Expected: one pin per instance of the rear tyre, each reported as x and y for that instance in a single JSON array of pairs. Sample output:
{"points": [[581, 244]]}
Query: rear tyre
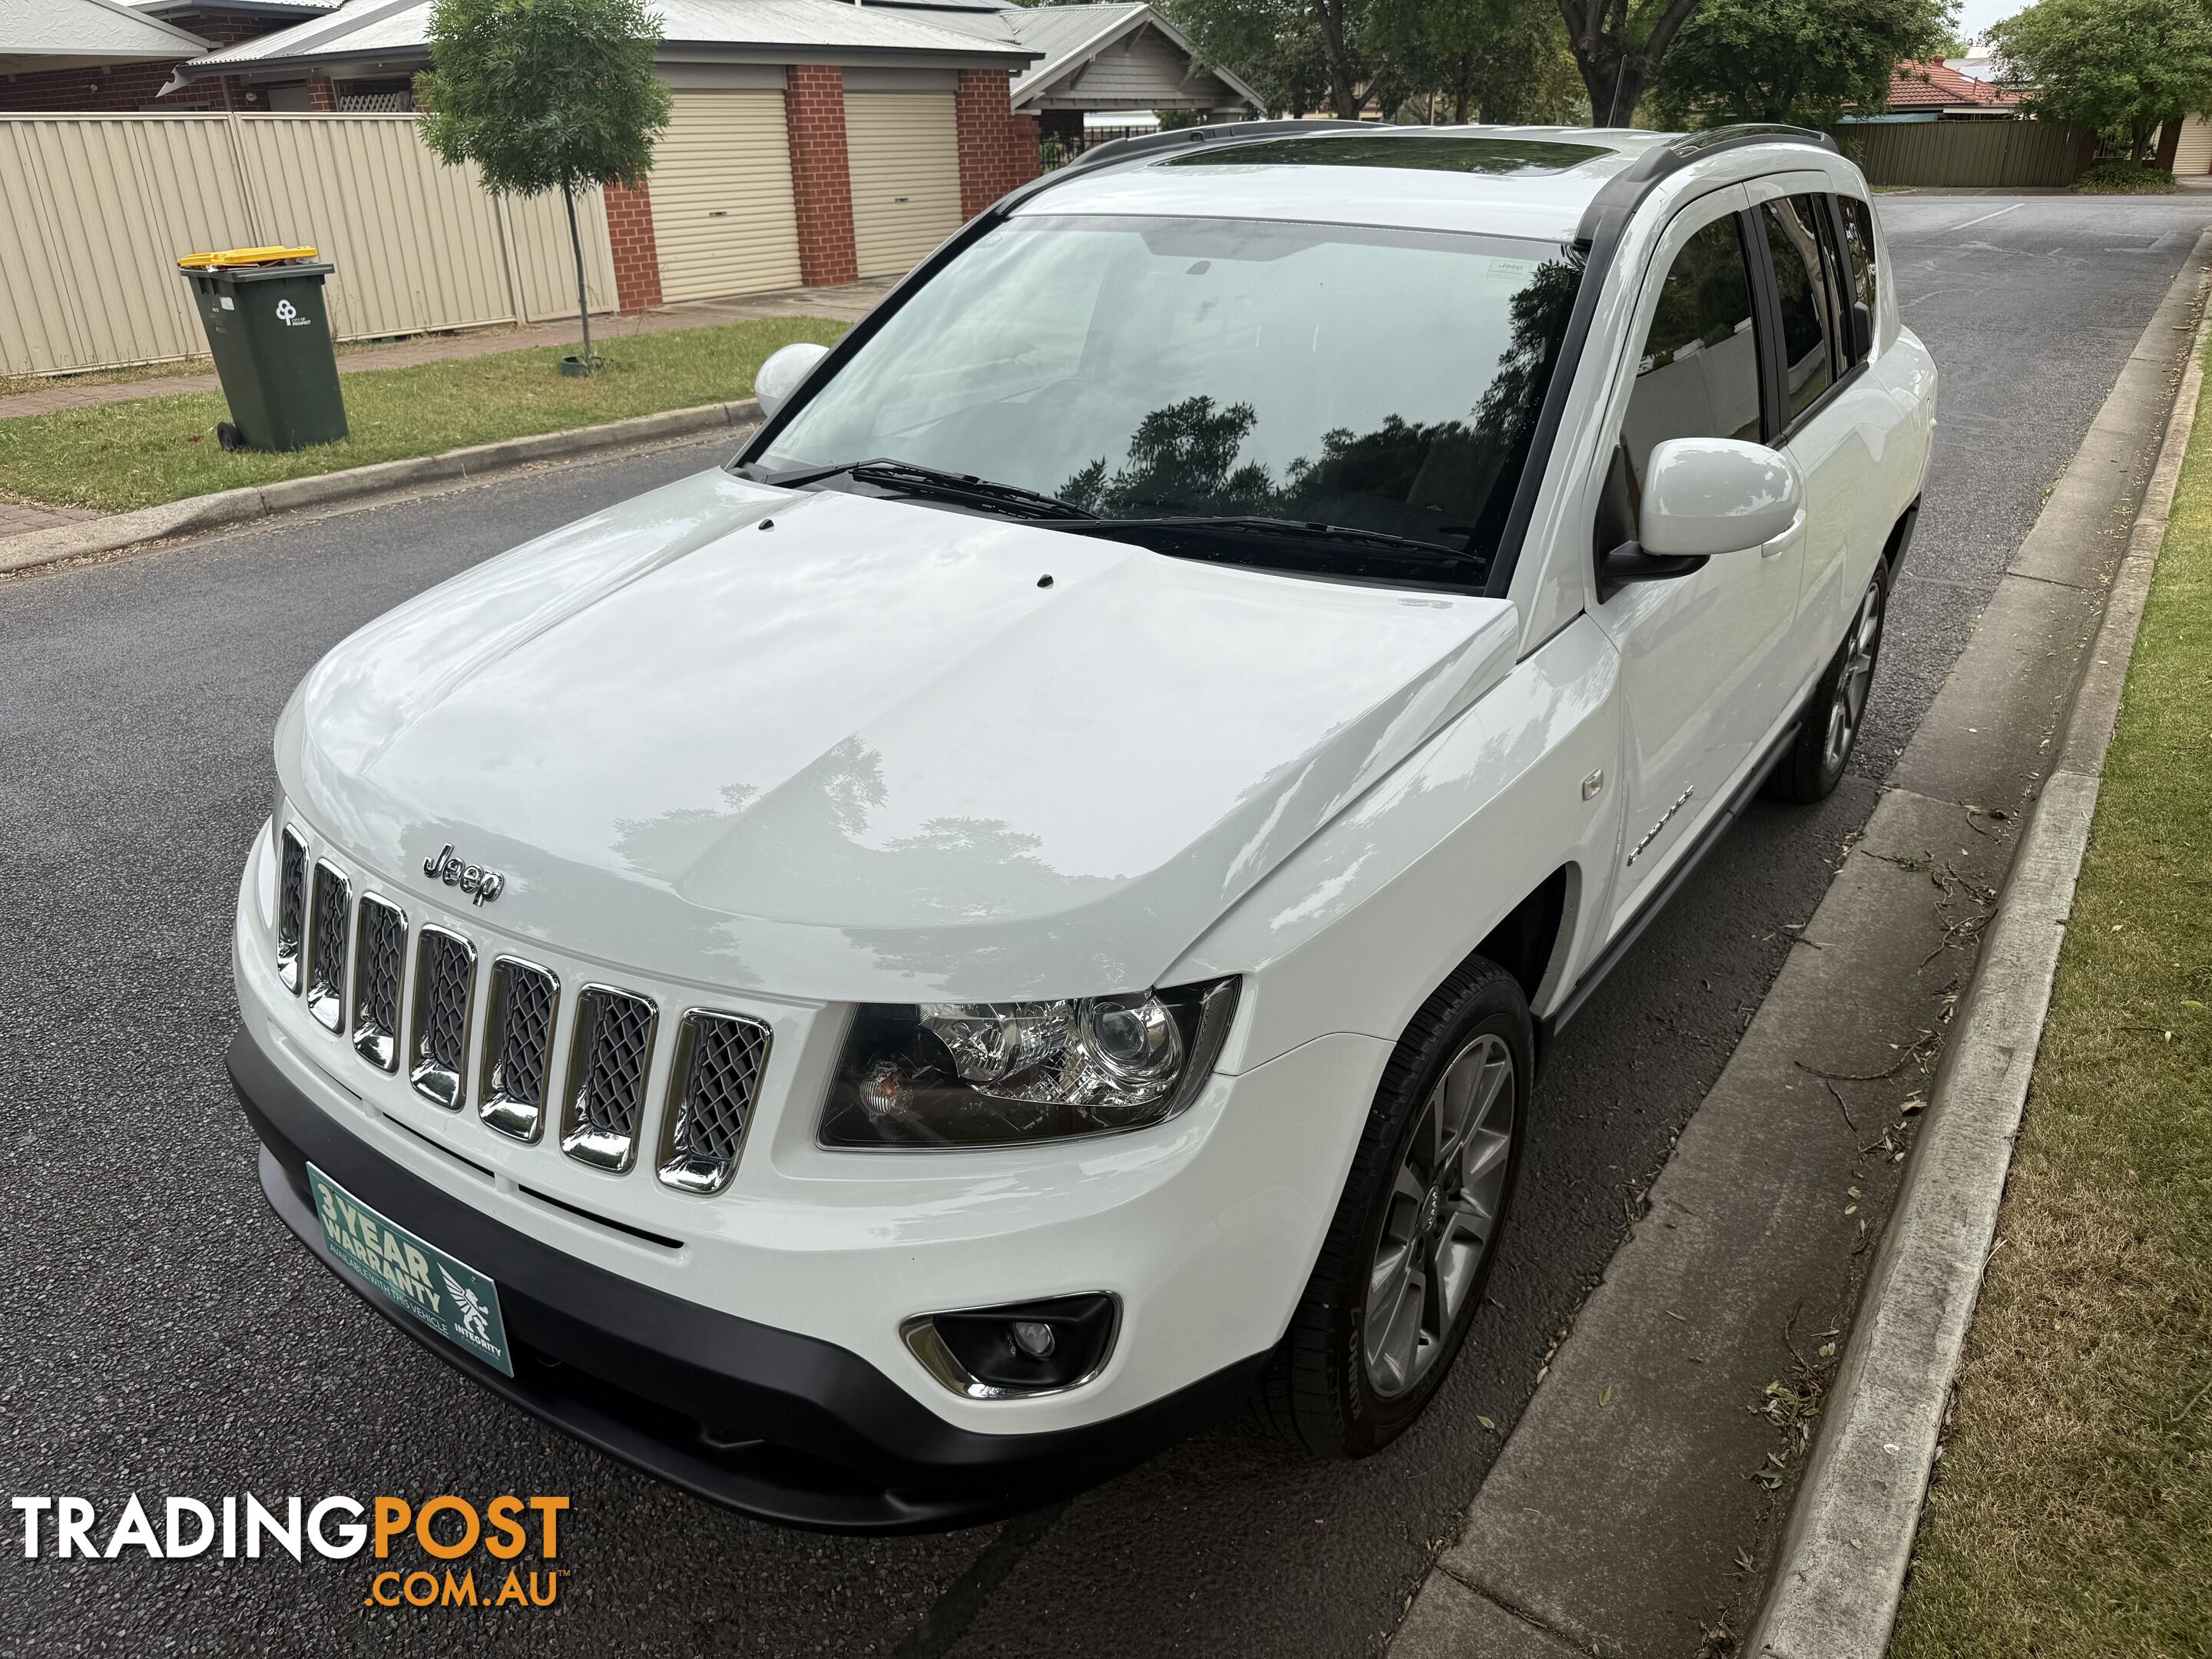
{"points": [[1815, 763], [1402, 1267]]}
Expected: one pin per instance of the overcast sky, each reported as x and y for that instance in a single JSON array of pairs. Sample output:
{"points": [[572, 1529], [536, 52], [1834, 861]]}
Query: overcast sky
{"points": [[1976, 16]]}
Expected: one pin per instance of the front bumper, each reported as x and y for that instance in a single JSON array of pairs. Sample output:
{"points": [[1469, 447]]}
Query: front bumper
{"points": [[774, 1423]]}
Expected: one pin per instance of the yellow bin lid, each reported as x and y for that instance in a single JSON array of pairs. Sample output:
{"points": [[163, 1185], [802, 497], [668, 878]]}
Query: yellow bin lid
{"points": [[244, 256]]}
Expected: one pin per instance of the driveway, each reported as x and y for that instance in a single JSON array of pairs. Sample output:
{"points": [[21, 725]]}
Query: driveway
{"points": [[167, 1335]]}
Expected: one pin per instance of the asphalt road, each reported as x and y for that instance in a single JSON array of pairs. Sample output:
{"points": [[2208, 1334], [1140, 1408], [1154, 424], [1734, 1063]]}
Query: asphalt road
{"points": [[165, 1334]]}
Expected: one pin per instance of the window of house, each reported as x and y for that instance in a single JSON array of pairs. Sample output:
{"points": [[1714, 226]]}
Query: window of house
{"points": [[1794, 244]]}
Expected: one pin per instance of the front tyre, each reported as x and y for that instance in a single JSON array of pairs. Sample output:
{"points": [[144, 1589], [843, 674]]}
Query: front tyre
{"points": [[1814, 765], [1401, 1270]]}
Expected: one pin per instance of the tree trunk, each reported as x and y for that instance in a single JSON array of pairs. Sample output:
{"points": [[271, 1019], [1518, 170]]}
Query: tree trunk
{"points": [[576, 247], [1614, 75], [1342, 90]]}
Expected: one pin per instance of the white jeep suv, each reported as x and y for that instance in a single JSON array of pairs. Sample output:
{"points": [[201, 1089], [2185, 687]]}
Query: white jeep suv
{"points": [[885, 981]]}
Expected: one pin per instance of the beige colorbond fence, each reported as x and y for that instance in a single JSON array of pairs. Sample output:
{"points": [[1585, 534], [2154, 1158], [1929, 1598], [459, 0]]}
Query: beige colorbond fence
{"points": [[1994, 154], [95, 209]]}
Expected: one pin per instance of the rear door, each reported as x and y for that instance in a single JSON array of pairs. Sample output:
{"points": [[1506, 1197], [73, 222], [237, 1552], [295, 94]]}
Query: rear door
{"points": [[1704, 657], [1835, 416]]}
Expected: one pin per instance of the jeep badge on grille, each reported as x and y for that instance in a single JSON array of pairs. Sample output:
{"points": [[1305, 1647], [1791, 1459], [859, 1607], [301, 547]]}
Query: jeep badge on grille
{"points": [[483, 885]]}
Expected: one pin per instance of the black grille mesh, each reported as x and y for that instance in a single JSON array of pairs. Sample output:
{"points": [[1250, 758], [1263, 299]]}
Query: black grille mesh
{"points": [[441, 1002], [614, 1069], [379, 962], [718, 1091], [327, 950], [523, 1042], [291, 906]]}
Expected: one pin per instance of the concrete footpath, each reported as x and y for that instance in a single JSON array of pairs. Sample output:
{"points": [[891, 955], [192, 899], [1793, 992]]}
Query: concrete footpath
{"points": [[1636, 1507]]}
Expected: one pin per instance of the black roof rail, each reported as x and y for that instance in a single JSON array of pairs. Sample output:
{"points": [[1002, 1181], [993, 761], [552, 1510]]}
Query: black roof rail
{"points": [[1629, 186], [1221, 132]]}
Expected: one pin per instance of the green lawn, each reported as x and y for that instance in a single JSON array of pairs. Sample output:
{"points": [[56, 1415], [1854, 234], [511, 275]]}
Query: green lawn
{"points": [[2072, 1517], [123, 455]]}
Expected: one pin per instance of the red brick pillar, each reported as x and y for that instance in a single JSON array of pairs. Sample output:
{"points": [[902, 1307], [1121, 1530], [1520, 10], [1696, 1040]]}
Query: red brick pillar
{"points": [[998, 148], [821, 175], [322, 93], [636, 255]]}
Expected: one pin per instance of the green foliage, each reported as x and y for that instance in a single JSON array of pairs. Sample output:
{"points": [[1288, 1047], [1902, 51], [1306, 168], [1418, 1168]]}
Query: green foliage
{"points": [[1488, 60], [1798, 61], [1275, 45], [2125, 67], [2125, 179], [544, 94], [1619, 46]]}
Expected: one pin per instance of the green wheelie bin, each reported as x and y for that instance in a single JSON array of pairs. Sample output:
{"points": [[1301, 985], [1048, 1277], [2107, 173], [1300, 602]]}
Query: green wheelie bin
{"points": [[271, 337]]}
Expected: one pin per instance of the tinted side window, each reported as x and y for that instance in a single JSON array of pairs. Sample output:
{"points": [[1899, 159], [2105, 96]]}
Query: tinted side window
{"points": [[1795, 247], [1858, 239], [1698, 373], [1699, 376]]}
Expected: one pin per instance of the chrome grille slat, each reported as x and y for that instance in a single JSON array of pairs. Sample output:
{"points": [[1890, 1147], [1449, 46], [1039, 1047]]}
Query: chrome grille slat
{"points": [[525, 999], [610, 1055], [379, 964], [716, 1077], [291, 906], [326, 948], [445, 985]]}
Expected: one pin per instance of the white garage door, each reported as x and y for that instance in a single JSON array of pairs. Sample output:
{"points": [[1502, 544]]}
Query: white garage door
{"points": [[904, 151], [721, 197]]}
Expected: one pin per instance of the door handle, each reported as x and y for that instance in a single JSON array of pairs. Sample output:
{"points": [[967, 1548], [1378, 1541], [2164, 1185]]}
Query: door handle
{"points": [[1787, 539]]}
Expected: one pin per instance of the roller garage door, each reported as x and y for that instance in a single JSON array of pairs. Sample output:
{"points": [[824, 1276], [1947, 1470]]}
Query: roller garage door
{"points": [[721, 197], [904, 151]]}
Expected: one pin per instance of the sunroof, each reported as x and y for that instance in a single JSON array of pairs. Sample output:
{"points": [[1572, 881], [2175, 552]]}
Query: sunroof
{"points": [[1427, 152]]}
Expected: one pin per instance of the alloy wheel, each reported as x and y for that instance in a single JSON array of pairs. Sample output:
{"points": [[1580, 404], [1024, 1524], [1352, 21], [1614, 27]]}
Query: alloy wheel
{"points": [[1846, 707], [1442, 1217]]}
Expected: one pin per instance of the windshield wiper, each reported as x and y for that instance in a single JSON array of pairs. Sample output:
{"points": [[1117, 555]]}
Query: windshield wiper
{"points": [[1284, 530], [910, 479]]}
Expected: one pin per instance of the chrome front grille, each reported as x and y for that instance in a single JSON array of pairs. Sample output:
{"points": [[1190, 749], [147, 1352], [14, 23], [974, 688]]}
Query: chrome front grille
{"points": [[518, 1047], [444, 983], [326, 948], [379, 962], [413, 1012], [607, 1064], [719, 1060], [291, 906]]}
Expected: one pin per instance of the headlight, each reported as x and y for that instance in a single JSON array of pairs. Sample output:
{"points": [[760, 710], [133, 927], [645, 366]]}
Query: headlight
{"points": [[999, 1073]]}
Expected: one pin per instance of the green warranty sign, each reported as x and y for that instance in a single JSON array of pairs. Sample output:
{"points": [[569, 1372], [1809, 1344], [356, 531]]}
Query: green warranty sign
{"points": [[443, 1292]]}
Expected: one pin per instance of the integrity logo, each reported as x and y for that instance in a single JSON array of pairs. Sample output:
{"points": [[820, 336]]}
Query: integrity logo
{"points": [[446, 1528]]}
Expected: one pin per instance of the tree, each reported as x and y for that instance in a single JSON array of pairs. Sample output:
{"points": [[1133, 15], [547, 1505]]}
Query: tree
{"points": [[1491, 60], [2125, 67], [1299, 55], [1797, 61], [546, 95], [1619, 46]]}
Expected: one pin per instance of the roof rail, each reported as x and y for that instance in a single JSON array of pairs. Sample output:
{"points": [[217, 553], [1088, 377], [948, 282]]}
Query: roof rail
{"points": [[1223, 132], [1629, 186]]}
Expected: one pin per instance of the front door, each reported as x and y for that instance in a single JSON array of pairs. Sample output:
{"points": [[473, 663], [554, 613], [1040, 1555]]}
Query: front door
{"points": [[1705, 659]]}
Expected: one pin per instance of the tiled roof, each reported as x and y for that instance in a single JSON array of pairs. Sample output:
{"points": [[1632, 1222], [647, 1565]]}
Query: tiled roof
{"points": [[1937, 86]]}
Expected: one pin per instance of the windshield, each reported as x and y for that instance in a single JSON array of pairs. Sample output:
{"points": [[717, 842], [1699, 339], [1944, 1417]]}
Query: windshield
{"points": [[1142, 368]]}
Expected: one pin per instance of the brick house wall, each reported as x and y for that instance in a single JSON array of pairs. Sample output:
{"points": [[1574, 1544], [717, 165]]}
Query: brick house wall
{"points": [[636, 255], [998, 148], [821, 173], [122, 87], [322, 95]]}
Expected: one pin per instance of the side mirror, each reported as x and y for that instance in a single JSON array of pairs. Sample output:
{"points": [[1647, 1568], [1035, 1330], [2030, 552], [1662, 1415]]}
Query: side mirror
{"points": [[1708, 496], [780, 375], [1861, 331]]}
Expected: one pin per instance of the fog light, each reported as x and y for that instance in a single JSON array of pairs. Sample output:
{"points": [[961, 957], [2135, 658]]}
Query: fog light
{"points": [[1020, 1349]]}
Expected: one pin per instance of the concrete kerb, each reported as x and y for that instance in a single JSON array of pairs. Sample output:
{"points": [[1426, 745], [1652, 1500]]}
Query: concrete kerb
{"points": [[91, 536], [1840, 1576]]}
